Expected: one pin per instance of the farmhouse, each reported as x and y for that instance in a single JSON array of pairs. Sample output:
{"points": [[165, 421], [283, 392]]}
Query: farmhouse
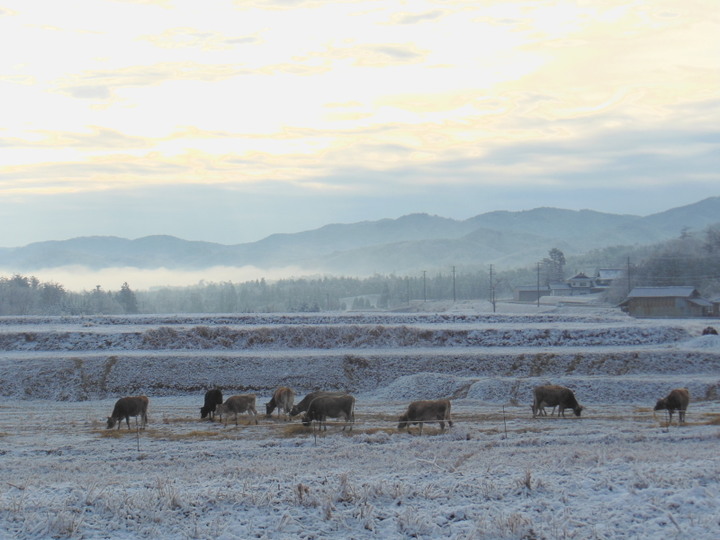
{"points": [[678, 301], [579, 284]]}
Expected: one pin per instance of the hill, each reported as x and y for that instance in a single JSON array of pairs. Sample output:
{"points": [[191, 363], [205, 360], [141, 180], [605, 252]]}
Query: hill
{"points": [[412, 242]]}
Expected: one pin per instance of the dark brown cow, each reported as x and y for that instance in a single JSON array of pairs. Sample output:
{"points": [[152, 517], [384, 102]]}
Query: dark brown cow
{"points": [[333, 406], [709, 331], [676, 400], [283, 399], [419, 412], [127, 407], [305, 402], [236, 405], [213, 398], [552, 395]]}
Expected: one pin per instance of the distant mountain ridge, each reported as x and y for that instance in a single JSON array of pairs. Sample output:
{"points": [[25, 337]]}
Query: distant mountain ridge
{"points": [[411, 242]]}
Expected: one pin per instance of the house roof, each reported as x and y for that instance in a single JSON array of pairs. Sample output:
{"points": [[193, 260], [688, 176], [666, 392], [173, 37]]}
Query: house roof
{"points": [[701, 302], [557, 286], [581, 275], [610, 273], [666, 292], [531, 288]]}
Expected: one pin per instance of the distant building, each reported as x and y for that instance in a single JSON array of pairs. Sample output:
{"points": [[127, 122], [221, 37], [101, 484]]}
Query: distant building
{"points": [[577, 285], [529, 293], [679, 301], [560, 289], [605, 276], [715, 306], [580, 284]]}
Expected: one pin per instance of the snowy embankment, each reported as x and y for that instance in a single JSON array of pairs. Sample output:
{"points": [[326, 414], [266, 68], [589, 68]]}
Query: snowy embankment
{"points": [[496, 358]]}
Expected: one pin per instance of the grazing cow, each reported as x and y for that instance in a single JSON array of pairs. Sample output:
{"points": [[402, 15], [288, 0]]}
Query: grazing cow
{"points": [[419, 412], [333, 406], [305, 402], [676, 400], [283, 399], [213, 398], [236, 405], [127, 407], [552, 395], [709, 331]]}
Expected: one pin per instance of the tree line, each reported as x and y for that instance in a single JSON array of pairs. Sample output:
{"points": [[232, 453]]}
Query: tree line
{"points": [[692, 259]]}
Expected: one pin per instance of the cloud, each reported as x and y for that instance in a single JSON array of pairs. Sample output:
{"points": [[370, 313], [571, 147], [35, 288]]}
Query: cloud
{"points": [[370, 54], [98, 137], [415, 18], [184, 37], [102, 84]]}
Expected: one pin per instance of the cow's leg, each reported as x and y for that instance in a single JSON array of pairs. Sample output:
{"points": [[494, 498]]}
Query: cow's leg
{"points": [[442, 425], [681, 414], [421, 428]]}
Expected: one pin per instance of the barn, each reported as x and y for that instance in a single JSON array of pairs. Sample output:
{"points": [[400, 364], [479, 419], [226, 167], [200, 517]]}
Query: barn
{"points": [[676, 301]]}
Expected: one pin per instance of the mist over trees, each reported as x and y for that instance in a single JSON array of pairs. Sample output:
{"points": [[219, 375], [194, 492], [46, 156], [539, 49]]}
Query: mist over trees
{"points": [[692, 259]]}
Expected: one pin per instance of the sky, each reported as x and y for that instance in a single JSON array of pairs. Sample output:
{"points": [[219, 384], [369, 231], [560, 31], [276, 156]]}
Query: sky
{"points": [[228, 121]]}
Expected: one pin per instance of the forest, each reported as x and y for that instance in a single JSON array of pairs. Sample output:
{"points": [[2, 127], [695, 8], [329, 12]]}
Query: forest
{"points": [[692, 259]]}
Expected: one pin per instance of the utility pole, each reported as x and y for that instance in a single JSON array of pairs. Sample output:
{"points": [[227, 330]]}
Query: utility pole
{"points": [[424, 286], [628, 276], [492, 288], [538, 284], [453, 272]]}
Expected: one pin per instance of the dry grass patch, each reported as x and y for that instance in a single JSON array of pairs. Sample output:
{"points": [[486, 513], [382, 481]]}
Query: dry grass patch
{"points": [[190, 435], [713, 419], [180, 420], [295, 430]]}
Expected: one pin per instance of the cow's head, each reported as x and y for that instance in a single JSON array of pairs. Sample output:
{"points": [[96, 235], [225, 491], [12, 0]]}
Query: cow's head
{"points": [[204, 411], [403, 421], [577, 410], [306, 420], [661, 405], [110, 422], [268, 409], [294, 411]]}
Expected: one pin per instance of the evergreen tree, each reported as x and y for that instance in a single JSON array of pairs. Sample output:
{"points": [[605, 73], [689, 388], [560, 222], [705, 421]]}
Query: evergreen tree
{"points": [[126, 298]]}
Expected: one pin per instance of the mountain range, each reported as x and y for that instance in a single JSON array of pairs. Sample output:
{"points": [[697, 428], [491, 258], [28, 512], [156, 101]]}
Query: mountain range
{"points": [[406, 244]]}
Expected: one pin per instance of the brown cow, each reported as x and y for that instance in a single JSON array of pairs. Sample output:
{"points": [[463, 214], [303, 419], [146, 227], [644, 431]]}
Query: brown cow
{"points": [[236, 405], [676, 400], [552, 395], [333, 406], [283, 399], [127, 407], [305, 402], [419, 412]]}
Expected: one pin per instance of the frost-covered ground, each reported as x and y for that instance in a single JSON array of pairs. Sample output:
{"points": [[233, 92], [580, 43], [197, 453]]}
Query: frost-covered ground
{"points": [[617, 472]]}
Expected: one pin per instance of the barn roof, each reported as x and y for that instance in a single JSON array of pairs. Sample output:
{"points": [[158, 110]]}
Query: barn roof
{"points": [[665, 292]]}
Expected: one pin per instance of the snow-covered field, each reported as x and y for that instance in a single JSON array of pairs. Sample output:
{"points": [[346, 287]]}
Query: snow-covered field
{"points": [[616, 472]]}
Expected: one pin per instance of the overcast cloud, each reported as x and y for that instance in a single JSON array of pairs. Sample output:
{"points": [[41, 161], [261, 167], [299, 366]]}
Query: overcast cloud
{"points": [[229, 121]]}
